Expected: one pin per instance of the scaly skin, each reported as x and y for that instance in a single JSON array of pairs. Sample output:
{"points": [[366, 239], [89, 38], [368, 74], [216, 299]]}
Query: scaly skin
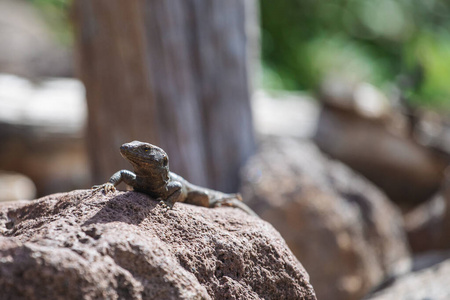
{"points": [[152, 176]]}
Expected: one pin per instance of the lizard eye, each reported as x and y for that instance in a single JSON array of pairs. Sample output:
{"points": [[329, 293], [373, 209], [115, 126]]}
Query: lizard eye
{"points": [[146, 148], [165, 161]]}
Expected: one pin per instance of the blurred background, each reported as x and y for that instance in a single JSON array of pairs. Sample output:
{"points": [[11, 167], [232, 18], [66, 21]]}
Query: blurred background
{"points": [[379, 42], [330, 117]]}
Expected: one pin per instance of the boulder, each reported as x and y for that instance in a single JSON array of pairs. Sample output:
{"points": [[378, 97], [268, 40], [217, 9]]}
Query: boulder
{"points": [[344, 230], [378, 142], [432, 283], [42, 132], [15, 186], [84, 245], [284, 113], [428, 225]]}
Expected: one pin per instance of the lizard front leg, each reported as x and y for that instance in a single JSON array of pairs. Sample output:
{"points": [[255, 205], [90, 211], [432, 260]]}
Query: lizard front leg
{"points": [[175, 193], [123, 175]]}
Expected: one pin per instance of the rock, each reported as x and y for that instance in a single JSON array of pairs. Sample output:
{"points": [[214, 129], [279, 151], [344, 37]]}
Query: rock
{"points": [[282, 113], [361, 98], [377, 142], [27, 47], [428, 225], [428, 259], [432, 283], [432, 130], [344, 230], [124, 245], [15, 186], [42, 132]]}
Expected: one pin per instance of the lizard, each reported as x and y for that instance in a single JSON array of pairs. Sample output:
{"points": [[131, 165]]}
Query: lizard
{"points": [[152, 176]]}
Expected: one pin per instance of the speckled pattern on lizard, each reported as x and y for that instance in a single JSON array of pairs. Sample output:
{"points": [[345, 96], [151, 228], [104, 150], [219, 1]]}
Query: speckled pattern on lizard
{"points": [[152, 176]]}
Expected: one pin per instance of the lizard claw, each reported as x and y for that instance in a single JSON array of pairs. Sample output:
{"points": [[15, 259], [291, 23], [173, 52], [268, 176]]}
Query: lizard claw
{"points": [[106, 187], [165, 204]]}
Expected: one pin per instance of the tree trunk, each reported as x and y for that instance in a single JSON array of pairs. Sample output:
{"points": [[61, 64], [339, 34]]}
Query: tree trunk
{"points": [[173, 73]]}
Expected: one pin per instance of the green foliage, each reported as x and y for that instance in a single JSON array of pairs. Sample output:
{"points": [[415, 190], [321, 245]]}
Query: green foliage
{"points": [[432, 50], [373, 40], [57, 15]]}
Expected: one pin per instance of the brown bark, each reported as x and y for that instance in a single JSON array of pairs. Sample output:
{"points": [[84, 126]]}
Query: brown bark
{"points": [[173, 73]]}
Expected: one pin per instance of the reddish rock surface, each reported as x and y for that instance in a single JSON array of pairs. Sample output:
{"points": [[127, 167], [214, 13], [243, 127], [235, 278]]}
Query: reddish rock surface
{"points": [[344, 230], [124, 245]]}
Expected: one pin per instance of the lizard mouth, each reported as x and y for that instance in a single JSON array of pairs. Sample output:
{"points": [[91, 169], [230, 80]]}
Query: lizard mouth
{"points": [[126, 151], [143, 153], [133, 153]]}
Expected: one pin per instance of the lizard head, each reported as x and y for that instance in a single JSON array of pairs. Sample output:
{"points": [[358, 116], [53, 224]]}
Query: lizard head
{"points": [[145, 157]]}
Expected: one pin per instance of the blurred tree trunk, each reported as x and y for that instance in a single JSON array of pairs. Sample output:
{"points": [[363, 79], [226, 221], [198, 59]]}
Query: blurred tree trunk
{"points": [[173, 73]]}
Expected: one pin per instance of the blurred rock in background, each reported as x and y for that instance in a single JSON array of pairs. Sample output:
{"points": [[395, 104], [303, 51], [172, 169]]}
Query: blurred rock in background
{"points": [[348, 235], [359, 127], [428, 225], [317, 216], [15, 186], [282, 113], [41, 121], [42, 132], [431, 282]]}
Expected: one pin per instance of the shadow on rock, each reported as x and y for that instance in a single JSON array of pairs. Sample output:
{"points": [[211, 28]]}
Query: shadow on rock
{"points": [[134, 208]]}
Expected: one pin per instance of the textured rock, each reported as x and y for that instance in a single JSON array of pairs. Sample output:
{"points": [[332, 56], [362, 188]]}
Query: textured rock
{"points": [[432, 283], [346, 232], [125, 245]]}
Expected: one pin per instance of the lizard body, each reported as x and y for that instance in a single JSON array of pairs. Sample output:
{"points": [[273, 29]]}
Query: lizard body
{"points": [[152, 176]]}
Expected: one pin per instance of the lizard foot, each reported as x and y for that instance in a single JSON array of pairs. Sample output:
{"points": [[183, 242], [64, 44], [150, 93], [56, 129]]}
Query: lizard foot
{"points": [[106, 187], [167, 205]]}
